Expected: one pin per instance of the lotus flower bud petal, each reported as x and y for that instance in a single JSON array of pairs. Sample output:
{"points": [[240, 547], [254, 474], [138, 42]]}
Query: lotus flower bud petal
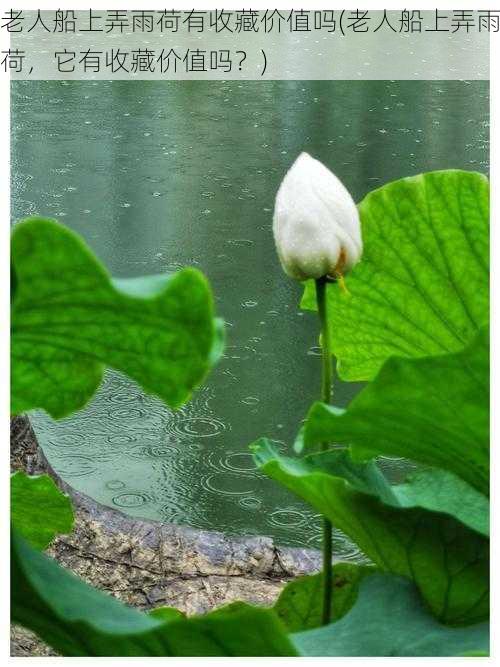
{"points": [[316, 222]]}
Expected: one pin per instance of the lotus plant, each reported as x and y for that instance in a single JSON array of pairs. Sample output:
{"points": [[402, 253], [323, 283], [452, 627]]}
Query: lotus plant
{"points": [[317, 233]]}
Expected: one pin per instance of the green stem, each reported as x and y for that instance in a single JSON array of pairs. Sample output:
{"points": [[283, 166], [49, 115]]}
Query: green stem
{"points": [[326, 397]]}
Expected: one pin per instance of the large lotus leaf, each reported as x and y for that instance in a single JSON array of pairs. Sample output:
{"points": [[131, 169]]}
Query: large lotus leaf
{"points": [[167, 614], [421, 287], [38, 510], [442, 491], [70, 321], [448, 561], [433, 410], [299, 605], [78, 620], [389, 619]]}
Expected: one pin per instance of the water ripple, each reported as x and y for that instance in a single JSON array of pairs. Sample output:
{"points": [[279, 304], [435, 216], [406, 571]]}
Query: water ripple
{"points": [[131, 499], [229, 485], [198, 427], [76, 466]]}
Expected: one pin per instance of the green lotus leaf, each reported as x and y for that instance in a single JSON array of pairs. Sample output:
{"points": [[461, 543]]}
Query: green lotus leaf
{"points": [[389, 619], [299, 605], [421, 287], [70, 321], [433, 410], [38, 509], [448, 561]]}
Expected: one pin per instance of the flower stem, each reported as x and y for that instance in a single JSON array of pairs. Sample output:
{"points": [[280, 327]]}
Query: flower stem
{"points": [[326, 397]]}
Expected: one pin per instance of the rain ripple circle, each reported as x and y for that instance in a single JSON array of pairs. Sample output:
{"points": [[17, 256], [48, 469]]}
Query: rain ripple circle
{"points": [[226, 484], [250, 503], [287, 518], [152, 452], [126, 413], [131, 499], [198, 427]]}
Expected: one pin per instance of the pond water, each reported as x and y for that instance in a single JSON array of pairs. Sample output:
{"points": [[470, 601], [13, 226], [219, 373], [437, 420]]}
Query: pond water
{"points": [[160, 175]]}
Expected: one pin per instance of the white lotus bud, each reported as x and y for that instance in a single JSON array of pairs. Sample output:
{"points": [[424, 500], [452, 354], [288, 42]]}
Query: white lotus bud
{"points": [[316, 223]]}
